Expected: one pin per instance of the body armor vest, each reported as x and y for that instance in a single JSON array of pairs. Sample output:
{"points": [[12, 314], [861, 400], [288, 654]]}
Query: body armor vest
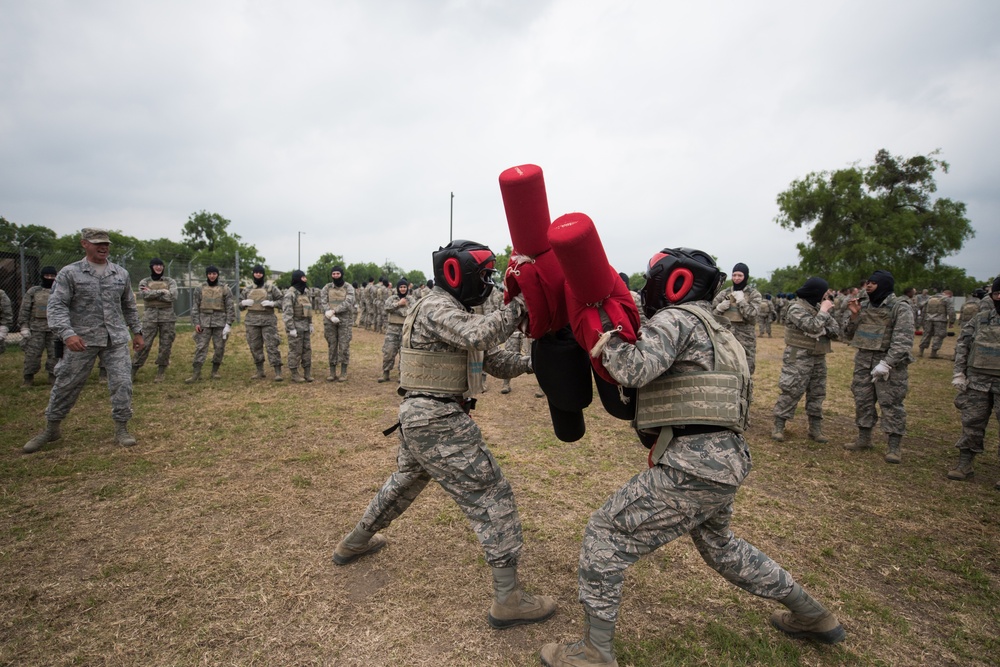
{"points": [[798, 338], [302, 308], [211, 298], [435, 372], [396, 318], [936, 306], [969, 310], [873, 332], [720, 397], [733, 314], [984, 352], [158, 285], [40, 303], [258, 294], [336, 296]]}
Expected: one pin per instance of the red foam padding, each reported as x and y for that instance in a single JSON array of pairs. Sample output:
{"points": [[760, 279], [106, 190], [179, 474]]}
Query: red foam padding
{"points": [[527, 208], [578, 247]]}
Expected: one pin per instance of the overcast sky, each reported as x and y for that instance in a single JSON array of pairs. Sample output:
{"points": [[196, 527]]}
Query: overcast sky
{"points": [[670, 124]]}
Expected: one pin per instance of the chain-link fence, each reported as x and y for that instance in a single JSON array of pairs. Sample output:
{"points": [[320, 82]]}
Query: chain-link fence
{"points": [[21, 268]]}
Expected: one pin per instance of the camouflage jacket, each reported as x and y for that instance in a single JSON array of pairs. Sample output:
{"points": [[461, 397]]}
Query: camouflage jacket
{"points": [[24, 317], [259, 318], [345, 309], [168, 295], [392, 306], [216, 318], [973, 328], [6, 311], [675, 341], [901, 344], [748, 307], [811, 321], [97, 309]]}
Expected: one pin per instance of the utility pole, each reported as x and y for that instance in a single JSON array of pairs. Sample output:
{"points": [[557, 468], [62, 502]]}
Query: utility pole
{"points": [[451, 218], [299, 267]]}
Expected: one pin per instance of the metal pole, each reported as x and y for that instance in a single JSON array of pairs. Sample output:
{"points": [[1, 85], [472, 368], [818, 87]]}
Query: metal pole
{"points": [[237, 294], [299, 267], [451, 217], [24, 275]]}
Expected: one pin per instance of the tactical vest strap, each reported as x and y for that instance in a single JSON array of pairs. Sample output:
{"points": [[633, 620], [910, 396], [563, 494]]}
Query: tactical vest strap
{"points": [[984, 353], [936, 306], [40, 304], [873, 332], [211, 298], [302, 307], [422, 370], [797, 338], [258, 294]]}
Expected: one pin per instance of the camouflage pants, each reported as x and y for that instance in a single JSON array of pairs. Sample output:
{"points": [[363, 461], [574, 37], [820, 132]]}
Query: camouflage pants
{"points": [[748, 339], [201, 340], [448, 447], [38, 342], [300, 347], [801, 373], [934, 335], [261, 337], [765, 326], [654, 508], [166, 331], [888, 394], [71, 375], [975, 408], [390, 347], [338, 341]]}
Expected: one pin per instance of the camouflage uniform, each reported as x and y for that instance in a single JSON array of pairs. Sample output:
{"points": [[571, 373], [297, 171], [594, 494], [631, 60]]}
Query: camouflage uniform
{"points": [[212, 315], [765, 316], [338, 335], [920, 310], [101, 310], [395, 315], [6, 319], [378, 301], [296, 312], [689, 489], [743, 317], [262, 324], [940, 315], [439, 440], [808, 332], [894, 347], [159, 319], [982, 372], [970, 308], [33, 316]]}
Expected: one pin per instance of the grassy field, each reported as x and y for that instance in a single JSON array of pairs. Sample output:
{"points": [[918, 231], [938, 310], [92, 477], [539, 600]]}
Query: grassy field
{"points": [[209, 543]]}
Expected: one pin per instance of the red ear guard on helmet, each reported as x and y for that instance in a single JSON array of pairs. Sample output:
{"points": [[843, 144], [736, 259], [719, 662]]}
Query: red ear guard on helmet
{"points": [[679, 275], [464, 270]]}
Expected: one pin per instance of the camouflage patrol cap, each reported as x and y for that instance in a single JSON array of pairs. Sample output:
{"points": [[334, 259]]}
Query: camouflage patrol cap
{"points": [[94, 235]]}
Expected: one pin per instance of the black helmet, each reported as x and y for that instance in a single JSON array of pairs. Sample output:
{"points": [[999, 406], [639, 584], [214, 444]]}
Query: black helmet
{"points": [[465, 270], [679, 275]]}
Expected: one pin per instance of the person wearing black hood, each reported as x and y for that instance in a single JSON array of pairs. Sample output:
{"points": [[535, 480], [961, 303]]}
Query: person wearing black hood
{"points": [[977, 379], [882, 331], [35, 333], [336, 301], [740, 304], [382, 294], [809, 329], [396, 308], [158, 293], [212, 315], [259, 300], [296, 311], [971, 307]]}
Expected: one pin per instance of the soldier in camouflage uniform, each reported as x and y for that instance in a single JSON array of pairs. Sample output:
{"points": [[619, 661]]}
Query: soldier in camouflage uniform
{"points": [[693, 401], [809, 329], [765, 316], [518, 343], [977, 379], [91, 310], [6, 319], [36, 337], [740, 304], [882, 332], [396, 307], [296, 311], [920, 301], [159, 293], [939, 317], [212, 315], [259, 301], [382, 293], [444, 347], [337, 305], [972, 306]]}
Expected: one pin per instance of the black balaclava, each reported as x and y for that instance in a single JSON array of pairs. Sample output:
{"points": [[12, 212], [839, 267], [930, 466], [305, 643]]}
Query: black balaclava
{"points": [[741, 267], [430, 284], [402, 281], [339, 282], [995, 288], [624, 277], [259, 282], [885, 283], [299, 280], [153, 263], [812, 291], [212, 269], [48, 271]]}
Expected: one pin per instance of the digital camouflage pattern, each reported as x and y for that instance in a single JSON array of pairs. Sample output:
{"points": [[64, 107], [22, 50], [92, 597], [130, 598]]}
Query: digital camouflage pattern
{"points": [[40, 339], [981, 396], [690, 490], [212, 323], [261, 322], [765, 316], [439, 441], [936, 321], [299, 345], [394, 331], [887, 394], [747, 309], [157, 321], [804, 371], [338, 336]]}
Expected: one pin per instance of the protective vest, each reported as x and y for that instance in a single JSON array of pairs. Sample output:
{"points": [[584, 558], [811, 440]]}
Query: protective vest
{"points": [[302, 308], [873, 332], [969, 310], [733, 314], [336, 296], [720, 397], [158, 285], [40, 303], [798, 338], [258, 294], [396, 318], [442, 372], [984, 352], [936, 305], [212, 298]]}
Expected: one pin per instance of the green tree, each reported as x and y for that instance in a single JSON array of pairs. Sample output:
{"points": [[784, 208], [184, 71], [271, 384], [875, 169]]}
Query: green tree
{"points": [[207, 234], [416, 277], [36, 238], [319, 273], [361, 272], [879, 217]]}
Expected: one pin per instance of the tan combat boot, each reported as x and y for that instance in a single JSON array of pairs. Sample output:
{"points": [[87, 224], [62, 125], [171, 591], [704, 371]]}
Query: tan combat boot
{"points": [[963, 469], [307, 374], [816, 430], [259, 375], [807, 619], [122, 436], [343, 373], [50, 434], [594, 650], [195, 376], [215, 371], [893, 453], [161, 374], [277, 373], [864, 441], [356, 544], [778, 433], [384, 378], [512, 605]]}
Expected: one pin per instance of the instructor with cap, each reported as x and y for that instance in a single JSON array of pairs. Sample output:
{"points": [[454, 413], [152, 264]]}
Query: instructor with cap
{"points": [[91, 309]]}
